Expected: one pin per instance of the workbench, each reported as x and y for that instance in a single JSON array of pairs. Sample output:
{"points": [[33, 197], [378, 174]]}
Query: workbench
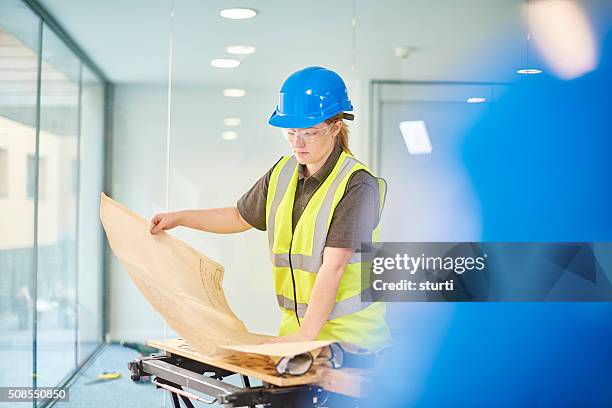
{"points": [[181, 370]]}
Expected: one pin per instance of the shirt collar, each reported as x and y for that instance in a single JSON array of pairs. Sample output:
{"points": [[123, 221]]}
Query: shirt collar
{"points": [[324, 171]]}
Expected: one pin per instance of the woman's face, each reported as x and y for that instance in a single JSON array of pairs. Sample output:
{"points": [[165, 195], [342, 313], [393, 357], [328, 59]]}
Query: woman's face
{"points": [[312, 144]]}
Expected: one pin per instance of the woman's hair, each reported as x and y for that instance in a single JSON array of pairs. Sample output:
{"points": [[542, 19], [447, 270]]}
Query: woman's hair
{"points": [[343, 135]]}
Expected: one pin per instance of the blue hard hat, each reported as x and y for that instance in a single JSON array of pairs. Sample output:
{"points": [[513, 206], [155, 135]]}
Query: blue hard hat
{"points": [[310, 96]]}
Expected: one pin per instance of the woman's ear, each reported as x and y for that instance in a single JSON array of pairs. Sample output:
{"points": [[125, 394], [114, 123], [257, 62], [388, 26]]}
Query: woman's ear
{"points": [[336, 127]]}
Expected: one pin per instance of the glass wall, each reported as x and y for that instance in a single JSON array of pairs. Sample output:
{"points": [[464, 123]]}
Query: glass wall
{"points": [[52, 144], [419, 128], [220, 141], [91, 183], [57, 210], [19, 44]]}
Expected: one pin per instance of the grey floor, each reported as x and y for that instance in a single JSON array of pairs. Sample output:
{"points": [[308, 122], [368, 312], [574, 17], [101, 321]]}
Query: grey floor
{"points": [[122, 392], [15, 370]]}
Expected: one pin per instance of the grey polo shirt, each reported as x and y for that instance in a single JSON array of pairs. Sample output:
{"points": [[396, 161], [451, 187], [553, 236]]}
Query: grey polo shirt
{"points": [[354, 219]]}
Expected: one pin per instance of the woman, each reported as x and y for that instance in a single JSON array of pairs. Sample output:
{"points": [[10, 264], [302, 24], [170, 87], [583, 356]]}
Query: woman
{"points": [[318, 205]]}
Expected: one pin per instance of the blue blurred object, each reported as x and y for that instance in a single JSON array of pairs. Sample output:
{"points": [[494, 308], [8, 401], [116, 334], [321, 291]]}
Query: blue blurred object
{"points": [[539, 160], [506, 355], [308, 97]]}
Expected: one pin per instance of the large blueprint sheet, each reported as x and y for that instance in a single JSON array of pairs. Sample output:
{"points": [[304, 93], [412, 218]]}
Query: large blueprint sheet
{"points": [[183, 286]]}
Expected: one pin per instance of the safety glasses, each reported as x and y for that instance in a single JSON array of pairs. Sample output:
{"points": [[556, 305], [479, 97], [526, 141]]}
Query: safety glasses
{"points": [[308, 135], [331, 356], [294, 365]]}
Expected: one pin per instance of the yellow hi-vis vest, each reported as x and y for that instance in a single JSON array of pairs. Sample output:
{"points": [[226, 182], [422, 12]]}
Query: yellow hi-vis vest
{"points": [[297, 256]]}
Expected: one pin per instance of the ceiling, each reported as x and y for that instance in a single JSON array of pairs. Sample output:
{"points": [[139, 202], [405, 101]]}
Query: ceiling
{"points": [[468, 40]]}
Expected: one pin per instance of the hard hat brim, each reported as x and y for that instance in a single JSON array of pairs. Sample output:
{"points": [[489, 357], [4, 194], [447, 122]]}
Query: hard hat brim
{"points": [[301, 122], [289, 121]]}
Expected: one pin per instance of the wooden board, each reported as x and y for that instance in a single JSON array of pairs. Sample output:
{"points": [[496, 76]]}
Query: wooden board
{"points": [[348, 381], [354, 382], [253, 365]]}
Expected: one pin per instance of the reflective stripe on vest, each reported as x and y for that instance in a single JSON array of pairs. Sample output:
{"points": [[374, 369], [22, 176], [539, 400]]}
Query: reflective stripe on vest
{"points": [[342, 308], [312, 263], [283, 180], [307, 263]]}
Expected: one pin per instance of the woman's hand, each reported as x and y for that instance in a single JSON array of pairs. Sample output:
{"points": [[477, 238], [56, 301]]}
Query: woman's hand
{"points": [[165, 221]]}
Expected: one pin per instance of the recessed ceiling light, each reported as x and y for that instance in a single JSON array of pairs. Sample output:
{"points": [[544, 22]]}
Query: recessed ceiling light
{"points": [[529, 71], [224, 63], [229, 135], [234, 92], [476, 100], [415, 136], [238, 13], [231, 121], [240, 49]]}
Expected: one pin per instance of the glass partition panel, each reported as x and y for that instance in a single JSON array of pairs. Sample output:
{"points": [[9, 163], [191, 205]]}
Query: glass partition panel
{"points": [[19, 39], [220, 139], [91, 176], [57, 211]]}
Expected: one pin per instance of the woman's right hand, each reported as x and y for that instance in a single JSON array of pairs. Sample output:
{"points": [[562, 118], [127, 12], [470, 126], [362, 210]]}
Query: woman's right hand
{"points": [[165, 221]]}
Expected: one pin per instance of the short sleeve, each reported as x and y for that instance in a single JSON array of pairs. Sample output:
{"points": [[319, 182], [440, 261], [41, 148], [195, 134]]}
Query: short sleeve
{"points": [[357, 213], [252, 204]]}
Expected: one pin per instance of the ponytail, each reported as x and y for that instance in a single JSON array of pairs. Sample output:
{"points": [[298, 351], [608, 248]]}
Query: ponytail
{"points": [[343, 134]]}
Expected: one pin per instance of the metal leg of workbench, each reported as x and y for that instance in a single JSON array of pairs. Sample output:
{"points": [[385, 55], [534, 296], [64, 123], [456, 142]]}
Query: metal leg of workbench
{"points": [[246, 384], [245, 381], [175, 401], [187, 402], [175, 398]]}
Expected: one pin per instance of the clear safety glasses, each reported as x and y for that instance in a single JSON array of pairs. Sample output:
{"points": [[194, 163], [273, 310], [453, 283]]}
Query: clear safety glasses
{"points": [[295, 365], [330, 356], [308, 135]]}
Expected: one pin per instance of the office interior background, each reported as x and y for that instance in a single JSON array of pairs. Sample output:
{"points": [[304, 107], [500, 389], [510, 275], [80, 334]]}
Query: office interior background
{"points": [[489, 119]]}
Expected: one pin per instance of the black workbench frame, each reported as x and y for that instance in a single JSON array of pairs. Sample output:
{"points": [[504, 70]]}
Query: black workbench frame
{"points": [[181, 372]]}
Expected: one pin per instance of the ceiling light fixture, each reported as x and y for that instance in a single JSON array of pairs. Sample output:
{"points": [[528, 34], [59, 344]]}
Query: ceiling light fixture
{"points": [[229, 135], [240, 49], [476, 100], [529, 71], [238, 13], [231, 121], [225, 63], [416, 137], [234, 92]]}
